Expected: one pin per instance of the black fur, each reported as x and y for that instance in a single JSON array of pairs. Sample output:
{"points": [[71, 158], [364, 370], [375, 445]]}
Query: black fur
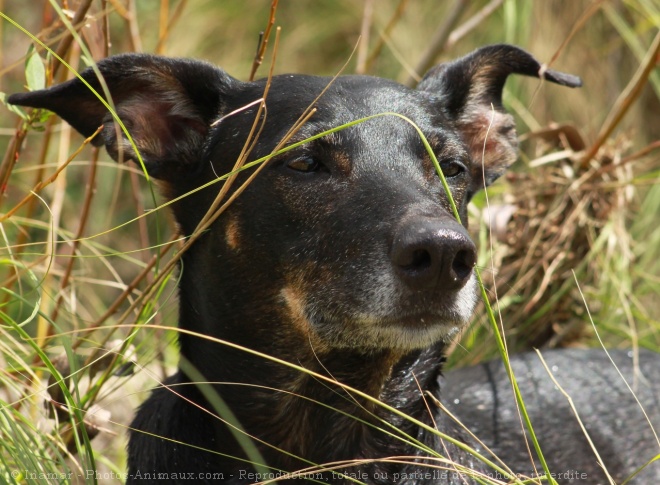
{"points": [[342, 257]]}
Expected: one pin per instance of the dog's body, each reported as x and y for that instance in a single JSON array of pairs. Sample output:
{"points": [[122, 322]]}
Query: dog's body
{"points": [[342, 257]]}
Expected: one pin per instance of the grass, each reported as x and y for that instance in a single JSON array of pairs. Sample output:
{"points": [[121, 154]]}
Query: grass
{"points": [[86, 257]]}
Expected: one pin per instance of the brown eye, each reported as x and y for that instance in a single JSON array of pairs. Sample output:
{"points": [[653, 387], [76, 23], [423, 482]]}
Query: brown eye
{"points": [[452, 168], [307, 164]]}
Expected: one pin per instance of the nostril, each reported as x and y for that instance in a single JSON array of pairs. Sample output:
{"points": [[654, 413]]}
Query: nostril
{"points": [[463, 263], [420, 259]]}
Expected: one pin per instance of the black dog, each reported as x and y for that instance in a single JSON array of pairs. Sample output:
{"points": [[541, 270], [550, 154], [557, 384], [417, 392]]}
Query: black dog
{"points": [[342, 257]]}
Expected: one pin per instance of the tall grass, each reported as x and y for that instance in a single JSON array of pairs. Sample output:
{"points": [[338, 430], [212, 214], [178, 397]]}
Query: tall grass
{"points": [[87, 299]]}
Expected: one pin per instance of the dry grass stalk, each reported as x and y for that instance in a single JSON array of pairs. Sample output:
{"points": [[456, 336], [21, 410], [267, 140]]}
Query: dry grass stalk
{"points": [[553, 221]]}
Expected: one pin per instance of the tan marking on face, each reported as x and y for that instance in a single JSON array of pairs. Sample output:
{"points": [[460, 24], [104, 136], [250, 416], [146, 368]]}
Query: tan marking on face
{"points": [[295, 302], [343, 162], [233, 235]]}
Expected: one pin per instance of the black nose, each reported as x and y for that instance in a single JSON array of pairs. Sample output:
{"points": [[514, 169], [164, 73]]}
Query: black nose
{"points": [[433, 253]]}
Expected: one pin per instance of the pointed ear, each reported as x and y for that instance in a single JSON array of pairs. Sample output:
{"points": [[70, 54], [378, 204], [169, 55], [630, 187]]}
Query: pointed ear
{"points": [[470, 92], [166, 104]]}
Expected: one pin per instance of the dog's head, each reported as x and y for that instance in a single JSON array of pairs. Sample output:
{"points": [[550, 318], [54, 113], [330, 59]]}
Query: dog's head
{"points": [[349, 238]]}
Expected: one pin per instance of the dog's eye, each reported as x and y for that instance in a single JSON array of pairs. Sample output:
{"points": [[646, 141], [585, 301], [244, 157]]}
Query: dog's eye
{"points": [[307, 164], [452, 168]]}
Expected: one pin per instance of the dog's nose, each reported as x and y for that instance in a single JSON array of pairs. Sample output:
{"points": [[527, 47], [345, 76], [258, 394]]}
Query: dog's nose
{"points": [[433, 253]]}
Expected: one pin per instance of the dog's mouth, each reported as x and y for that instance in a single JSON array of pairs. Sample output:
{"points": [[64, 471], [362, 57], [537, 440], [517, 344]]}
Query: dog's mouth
{"points": [[402, 332], [400, 321], [435, 323], [421, 310], [420, 321]]}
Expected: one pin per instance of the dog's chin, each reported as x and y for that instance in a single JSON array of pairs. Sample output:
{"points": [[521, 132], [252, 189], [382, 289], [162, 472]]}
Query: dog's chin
{"points": [[414, 330], [406, 336], [401, 332]]}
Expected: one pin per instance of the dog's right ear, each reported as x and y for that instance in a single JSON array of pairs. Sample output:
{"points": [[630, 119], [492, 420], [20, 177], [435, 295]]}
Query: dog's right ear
{"points": [[167, 105], [470, 94]]}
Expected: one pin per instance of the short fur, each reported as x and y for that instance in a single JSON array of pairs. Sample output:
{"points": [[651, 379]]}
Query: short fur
{"points": [[342, 257]]}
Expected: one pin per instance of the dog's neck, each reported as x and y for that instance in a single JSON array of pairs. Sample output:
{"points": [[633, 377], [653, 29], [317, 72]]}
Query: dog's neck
{"points": [[319, 420], [316, 419]]}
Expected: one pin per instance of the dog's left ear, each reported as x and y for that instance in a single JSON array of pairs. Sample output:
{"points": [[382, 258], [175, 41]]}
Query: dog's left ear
{"points": [[167, 105], [470, 91]]}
